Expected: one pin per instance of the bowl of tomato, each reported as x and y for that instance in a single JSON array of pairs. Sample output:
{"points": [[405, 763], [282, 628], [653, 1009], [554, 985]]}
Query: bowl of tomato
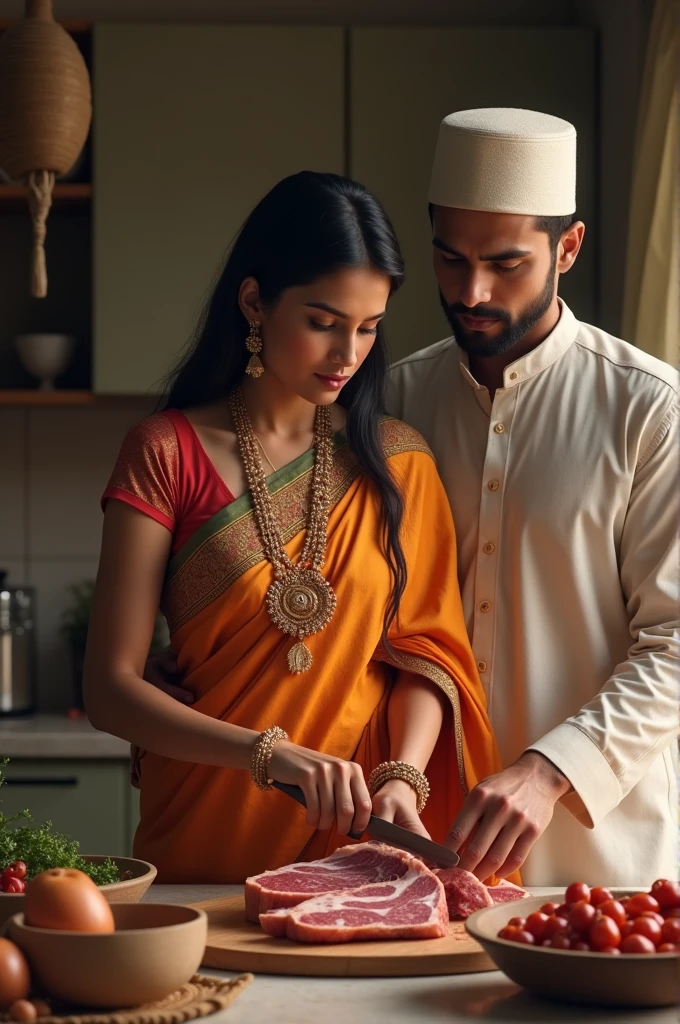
{"points": [[607, 947]]}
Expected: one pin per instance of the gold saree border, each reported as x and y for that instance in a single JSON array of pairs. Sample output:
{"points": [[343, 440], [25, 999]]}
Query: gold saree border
{"points": [[228, 544], [422, 667]]}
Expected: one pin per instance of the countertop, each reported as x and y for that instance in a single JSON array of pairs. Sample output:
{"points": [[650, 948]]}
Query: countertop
{"points": [[458, 999], [57, 736]]}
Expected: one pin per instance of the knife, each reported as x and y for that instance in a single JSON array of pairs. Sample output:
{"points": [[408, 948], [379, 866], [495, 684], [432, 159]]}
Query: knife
{"points": [[388, 832]]}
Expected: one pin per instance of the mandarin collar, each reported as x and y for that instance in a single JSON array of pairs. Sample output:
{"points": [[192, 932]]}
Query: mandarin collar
{"points": [[540, 358]]}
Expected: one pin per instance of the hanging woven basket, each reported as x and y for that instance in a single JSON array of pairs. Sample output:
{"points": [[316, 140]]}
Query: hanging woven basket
{"points": [[45, 114]]}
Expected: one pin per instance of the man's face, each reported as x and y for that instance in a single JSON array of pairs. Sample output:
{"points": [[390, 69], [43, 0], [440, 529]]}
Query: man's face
{"points": [[497, 276]]}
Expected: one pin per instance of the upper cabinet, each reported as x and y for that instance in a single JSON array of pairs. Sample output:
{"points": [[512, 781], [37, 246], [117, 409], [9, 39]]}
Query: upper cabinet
{"points": [[404, 81], [194, 124]]}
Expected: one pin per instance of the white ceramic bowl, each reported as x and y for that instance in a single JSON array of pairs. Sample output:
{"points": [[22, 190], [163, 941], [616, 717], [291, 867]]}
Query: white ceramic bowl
{"points": [[573, 976]]}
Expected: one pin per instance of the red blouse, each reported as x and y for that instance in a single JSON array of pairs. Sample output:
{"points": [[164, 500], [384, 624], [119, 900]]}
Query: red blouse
{"points": [[163, 471]]}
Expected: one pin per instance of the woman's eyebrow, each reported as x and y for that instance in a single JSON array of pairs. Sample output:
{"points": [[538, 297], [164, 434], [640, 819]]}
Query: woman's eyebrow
{"points": [[336, 312]]}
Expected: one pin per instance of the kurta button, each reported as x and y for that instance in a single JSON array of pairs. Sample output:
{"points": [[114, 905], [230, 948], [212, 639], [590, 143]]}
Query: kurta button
{"points": [[493, 485], [489, 548], [499, 428], [513, 376], [485, 606], [481, 665]]}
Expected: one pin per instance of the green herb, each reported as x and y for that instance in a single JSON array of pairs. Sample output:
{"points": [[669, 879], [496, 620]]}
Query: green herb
{"points": [[41, 848]]}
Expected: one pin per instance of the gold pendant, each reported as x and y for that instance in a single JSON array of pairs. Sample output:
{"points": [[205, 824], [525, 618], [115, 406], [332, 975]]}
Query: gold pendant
{"points": [[300, 603], [255, 367], [299, 658]]}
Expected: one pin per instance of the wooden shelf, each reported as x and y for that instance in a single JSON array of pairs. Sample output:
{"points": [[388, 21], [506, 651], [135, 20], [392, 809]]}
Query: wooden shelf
{"points": [[19, 396], [64, 192]]}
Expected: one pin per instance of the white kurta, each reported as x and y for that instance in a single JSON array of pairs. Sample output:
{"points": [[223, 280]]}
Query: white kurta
{"points": [[565, 496]]}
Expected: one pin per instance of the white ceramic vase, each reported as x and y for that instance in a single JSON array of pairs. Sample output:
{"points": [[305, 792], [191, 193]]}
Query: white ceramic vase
{"points": [[45, 355]]}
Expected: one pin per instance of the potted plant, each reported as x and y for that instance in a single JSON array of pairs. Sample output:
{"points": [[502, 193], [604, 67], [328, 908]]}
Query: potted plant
{"points": [[75, 621]]}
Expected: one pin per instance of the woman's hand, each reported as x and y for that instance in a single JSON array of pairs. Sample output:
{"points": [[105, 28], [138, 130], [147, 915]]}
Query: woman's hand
{"points": [[335, 790], [396, 801]]}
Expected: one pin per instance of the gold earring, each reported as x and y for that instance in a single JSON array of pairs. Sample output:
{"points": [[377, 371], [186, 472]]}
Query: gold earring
{"points": [[254, 346]]}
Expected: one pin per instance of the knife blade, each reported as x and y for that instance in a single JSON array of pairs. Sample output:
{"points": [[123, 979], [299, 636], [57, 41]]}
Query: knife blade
{"points": [[388, 832]]}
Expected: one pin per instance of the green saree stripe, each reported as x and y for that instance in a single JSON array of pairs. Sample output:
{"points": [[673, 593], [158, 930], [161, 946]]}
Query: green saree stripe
{"points": [[243, 506]]}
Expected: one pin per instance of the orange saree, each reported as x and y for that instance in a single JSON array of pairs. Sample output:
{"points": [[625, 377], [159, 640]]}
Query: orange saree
{"points": [[210, 824]]}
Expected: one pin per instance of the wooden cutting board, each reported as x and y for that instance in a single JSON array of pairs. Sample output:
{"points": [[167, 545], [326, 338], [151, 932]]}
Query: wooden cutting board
{"points": [[236, 945]]}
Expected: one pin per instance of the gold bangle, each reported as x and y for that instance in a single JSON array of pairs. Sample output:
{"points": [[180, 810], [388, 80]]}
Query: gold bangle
{"points": [[262, 755], [405, 772]]}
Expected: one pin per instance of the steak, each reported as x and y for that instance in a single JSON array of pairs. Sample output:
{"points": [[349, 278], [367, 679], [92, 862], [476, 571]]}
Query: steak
{"points": [[464, 892], [507, 892], [346, 868], [410, 907]]}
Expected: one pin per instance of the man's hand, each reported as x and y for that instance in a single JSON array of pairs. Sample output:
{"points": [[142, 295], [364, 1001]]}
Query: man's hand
{"points": [[505, 814], [162, 672]]}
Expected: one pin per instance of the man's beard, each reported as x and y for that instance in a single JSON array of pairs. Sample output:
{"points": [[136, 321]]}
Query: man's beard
{"points": [[474, 343]]}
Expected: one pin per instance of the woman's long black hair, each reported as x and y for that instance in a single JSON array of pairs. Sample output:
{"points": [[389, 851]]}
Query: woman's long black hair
{"points": [[309, 225]]}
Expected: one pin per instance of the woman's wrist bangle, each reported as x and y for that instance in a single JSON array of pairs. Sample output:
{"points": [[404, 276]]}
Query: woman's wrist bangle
{"points": [[262, 755], [405, 772]]}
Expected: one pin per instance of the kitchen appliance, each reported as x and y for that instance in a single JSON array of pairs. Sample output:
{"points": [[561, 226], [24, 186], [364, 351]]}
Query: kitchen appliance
{"points": [[388, 832], [17, 648]]}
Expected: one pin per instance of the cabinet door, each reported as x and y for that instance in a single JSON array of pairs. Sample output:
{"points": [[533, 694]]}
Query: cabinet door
{"points": [[87, 800], [194, 124], [404, 81]]}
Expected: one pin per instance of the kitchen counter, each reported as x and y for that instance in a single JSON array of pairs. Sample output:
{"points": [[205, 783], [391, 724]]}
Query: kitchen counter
{"points": [[56, 736], [457, 999]]}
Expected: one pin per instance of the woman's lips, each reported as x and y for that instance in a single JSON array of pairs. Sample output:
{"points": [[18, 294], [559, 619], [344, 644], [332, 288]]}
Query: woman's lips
{"points": [[332, 381], [474, 323]]}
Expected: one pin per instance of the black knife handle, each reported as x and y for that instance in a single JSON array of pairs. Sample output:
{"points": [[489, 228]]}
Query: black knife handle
{"points": [[296, 793]]}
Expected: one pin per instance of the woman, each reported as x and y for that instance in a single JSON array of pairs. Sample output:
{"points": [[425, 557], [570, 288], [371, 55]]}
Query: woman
{"points": [[316, 617]]}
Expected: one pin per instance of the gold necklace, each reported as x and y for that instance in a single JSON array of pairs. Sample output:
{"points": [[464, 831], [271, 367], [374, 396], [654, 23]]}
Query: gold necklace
{"points": [[261, 447], [299, 601]]}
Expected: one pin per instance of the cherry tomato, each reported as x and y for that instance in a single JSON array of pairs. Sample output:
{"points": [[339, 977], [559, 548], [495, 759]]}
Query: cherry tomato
{"points": [[642, 901], [15, 885], [604, 932], [535, 924], [564, 909], [673, 912], [666, 893], [670, 931], [581, 917], [648, 927], [627, 929], [507, 933], [614, 909], [517, 922], [23, 1010], [580, 945], [18, 869], [525, 937], [553, 925], [560, 941], [42, 1008], [611, 950], [599, 895], [637, 944], [549, 908], [576, 892], [667, 947], [659, 918]]}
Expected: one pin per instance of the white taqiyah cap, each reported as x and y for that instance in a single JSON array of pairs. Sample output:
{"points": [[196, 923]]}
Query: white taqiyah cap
{"points": [[505, 160]]}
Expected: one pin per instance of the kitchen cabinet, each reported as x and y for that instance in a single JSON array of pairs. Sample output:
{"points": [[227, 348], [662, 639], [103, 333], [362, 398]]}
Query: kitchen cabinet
{"points": [[405, 80], [92, 801], [194, 124]]}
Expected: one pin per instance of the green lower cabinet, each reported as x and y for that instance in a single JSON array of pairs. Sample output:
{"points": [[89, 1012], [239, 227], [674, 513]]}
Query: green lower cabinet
{"points": [[89, 800]]}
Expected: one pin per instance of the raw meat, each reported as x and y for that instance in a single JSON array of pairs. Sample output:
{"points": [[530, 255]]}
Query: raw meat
{"points": [[410, 907], [507, 892], [346, 868], [464, 892]]}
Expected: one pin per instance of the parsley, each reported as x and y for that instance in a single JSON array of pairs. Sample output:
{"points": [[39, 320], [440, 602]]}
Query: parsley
{"points": [[41, 848]]}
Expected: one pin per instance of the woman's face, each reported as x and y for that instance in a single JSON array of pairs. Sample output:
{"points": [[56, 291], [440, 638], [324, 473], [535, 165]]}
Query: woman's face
{"points": [[317, 336]]}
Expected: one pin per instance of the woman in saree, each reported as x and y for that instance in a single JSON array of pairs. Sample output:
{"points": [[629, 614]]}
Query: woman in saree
{"points": [[301, 547]]}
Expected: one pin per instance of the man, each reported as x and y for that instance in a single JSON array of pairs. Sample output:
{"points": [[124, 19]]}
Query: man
{"points": [[558, 445]]}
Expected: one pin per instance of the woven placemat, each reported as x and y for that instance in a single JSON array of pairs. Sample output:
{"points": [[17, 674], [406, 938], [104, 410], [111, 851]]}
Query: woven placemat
{"points": [[198, 998]]}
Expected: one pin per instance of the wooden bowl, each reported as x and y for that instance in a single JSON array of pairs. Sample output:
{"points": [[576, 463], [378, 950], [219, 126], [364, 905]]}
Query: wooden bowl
{"points": [[574, 976], [131, 890], [156, 948]]}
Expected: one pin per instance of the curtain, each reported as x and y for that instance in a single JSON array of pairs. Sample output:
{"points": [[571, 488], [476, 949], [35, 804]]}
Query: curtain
{"points": [[651, 310]]}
